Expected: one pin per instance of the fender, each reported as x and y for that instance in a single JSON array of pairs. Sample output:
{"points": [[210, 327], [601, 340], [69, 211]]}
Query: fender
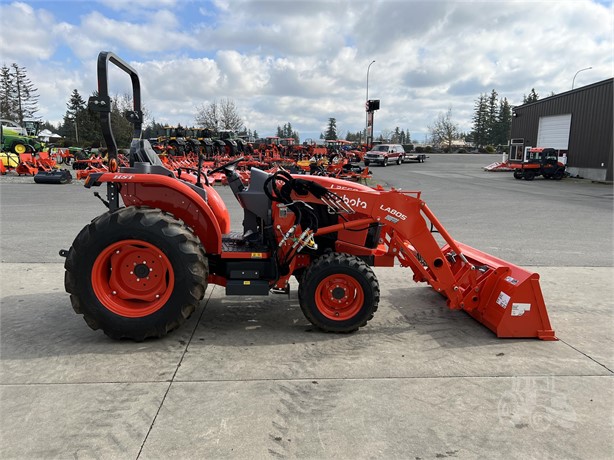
{"points": [[175, 197]]}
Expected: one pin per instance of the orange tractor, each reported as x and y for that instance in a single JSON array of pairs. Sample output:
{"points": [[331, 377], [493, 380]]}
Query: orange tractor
{"points": [[140, 269]]}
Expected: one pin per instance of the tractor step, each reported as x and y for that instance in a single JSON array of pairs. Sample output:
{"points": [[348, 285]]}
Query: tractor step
{"points": [[247, 287], [234, 243]]}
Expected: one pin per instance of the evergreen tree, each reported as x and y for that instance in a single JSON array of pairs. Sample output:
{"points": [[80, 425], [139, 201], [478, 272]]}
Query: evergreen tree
{"points": [[396, 136], [25, 97], [480, 121], [405, 137], [90, 132], [7, 102], [152, 129], [75, 104], [491, 118], [491, 121], [287, 132], [331, 131], [532, 97], [122, 128], [504, 122], [74, 116], [354, 137]]}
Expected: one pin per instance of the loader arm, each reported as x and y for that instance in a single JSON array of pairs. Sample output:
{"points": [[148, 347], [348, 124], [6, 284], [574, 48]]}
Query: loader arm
{"points": [[502, 296]]}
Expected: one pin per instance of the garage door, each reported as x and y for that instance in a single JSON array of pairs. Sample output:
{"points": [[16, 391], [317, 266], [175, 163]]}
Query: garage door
{"points": [[554, 131]]}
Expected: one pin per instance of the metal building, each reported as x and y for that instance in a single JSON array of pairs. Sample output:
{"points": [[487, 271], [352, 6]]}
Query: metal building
{"points": [[579, 121]]}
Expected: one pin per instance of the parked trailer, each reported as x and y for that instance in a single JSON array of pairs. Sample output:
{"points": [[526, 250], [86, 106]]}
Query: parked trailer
{"points": [[409, 156]]}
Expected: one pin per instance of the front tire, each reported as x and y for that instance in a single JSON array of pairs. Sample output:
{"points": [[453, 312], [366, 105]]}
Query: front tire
{"points": [[19, 148], [135, 273], [339, 293]]}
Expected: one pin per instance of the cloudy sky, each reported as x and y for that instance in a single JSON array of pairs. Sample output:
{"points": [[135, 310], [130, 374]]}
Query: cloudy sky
{"points": [[306, 61]]}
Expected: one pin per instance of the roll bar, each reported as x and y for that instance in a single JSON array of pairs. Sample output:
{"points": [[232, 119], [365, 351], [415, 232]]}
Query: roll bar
{"points": [[101, 102]]}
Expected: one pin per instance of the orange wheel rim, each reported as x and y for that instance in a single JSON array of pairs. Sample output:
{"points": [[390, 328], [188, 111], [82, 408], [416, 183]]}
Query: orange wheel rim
{"points": [[339, 297], [132, 278]]}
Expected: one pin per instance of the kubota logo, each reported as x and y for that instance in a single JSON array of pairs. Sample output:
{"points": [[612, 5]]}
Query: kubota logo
{"points": [[393, 212], [355, 202]]}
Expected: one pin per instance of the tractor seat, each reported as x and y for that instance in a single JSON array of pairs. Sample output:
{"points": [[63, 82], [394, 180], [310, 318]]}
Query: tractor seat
{"points": [[145, 160], [141, 151]]}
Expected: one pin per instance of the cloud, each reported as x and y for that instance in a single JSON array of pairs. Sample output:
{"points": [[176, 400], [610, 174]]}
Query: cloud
{"points": [[305, 61], [22, 37], [161, 33], [138, 5]]}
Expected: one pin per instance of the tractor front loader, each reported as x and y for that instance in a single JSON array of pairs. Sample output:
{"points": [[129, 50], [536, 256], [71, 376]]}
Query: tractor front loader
{"points": [[140, 269]]}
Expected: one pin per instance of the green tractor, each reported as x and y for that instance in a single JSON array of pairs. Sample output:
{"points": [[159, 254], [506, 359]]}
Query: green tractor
{"points": [[16, 139]]}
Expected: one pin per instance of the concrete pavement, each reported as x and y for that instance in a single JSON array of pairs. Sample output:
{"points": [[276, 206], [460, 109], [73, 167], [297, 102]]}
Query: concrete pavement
{"points": [[250, 378]]}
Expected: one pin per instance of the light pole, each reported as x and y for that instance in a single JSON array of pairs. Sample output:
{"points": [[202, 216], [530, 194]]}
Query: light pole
{"points": [[574, 77], [74, 119], [367, 114]]}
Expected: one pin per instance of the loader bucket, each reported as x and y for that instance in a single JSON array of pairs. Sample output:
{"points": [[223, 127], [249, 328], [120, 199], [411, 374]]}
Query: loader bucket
{"points": [[510, 301]]}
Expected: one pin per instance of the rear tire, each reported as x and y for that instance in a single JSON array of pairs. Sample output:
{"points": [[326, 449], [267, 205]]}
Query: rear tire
{"points": [[517, 174], [529, 175], [135, 273], [339, 293], [367, 163]]}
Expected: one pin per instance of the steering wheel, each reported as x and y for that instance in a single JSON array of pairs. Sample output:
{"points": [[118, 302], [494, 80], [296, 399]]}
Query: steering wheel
{"points": [[227, 166]]}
